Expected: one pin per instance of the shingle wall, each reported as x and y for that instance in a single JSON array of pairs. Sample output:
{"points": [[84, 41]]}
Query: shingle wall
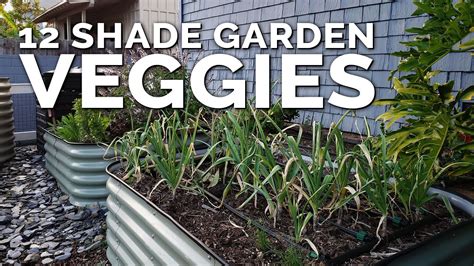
{"points": [[12, 67], [390, 19], [24, 101]]}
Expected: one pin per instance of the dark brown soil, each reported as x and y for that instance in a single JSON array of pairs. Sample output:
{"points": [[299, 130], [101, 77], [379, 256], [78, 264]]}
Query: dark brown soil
{"points": [[236, 241], [333, 242], [405, 242], [220, 230]]}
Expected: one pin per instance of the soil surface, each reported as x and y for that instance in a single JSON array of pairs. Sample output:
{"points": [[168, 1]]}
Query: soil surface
{"points": [[238, 242], [332, 242], [226, 234]]}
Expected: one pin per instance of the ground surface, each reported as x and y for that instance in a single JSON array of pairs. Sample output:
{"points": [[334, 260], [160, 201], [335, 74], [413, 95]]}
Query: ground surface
{"points": [[37, 222], [238, 242]]}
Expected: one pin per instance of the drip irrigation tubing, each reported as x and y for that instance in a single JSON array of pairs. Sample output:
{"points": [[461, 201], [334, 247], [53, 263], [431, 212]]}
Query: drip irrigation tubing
{"points": [[279, 237], [451, 247], [354, 253]]}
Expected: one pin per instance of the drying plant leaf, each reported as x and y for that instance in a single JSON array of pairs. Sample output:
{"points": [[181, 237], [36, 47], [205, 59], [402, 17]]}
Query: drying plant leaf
{"points": [[450, 209]]}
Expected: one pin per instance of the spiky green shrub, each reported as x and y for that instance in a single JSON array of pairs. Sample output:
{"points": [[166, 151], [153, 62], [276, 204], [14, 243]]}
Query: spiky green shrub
{"points": [[84, 125]]}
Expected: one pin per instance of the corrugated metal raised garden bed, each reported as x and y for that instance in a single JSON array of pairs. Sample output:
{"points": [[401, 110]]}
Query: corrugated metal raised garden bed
{"points": [[140, 231], [170, 204], [79, 169], [7, 138]]}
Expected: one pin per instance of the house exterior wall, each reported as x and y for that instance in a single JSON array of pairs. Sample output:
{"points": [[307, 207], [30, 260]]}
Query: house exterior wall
{"points": [[48, 3], [131, 16], [24, 99], [390, 19], [146, 12], [153, 11]]}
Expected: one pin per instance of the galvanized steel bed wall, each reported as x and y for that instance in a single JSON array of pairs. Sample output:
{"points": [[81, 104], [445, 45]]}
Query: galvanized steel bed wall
{"points": [[139, 234], [7, 138], [79, 170]]}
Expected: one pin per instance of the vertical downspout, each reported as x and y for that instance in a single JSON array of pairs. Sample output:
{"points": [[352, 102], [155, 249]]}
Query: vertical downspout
{"points": [[68, 33], [180, 23]]}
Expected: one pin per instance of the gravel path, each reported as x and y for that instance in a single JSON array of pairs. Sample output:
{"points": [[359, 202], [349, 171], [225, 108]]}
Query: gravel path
{"points": [[37, 222]]}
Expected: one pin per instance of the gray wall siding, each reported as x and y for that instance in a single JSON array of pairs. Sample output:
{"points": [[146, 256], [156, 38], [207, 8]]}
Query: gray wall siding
{"points": [[390, 19], [12, 67], [24, 102]]}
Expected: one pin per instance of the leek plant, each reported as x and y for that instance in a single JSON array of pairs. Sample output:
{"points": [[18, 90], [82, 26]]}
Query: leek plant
{"points": [[269, 177], [341, 169], [317, 183], [239, 147], [299, 217], [267, 168], [374, 170], [129, 149], [171, 150]]}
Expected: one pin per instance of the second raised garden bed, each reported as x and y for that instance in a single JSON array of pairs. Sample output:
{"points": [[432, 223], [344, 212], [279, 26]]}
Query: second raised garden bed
{"points": [[79, 169]]}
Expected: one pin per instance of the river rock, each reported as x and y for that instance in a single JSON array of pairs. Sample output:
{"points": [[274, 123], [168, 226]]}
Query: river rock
{"points": [[15, 242], [47, 261], [32, 258], [37, 222], [5, 219], [14, 254], [63, 257], [46, 254]]}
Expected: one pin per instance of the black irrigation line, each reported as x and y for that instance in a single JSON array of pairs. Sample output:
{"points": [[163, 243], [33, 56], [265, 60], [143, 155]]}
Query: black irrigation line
{"points": [[354, 253], [458, 228], [369, 241], [362, 236], [279, 237]]}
